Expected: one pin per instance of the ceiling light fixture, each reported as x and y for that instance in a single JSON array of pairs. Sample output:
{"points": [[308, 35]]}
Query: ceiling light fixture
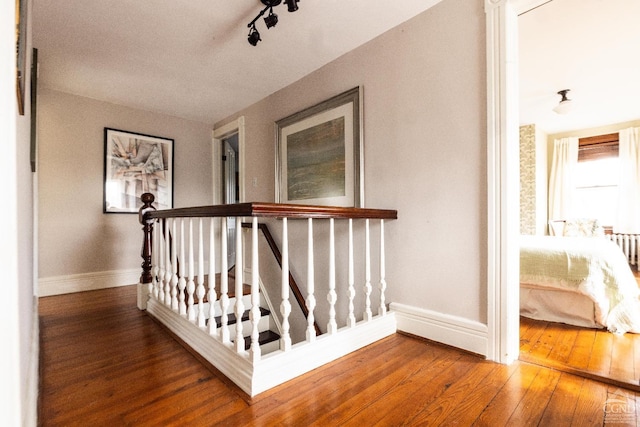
{"points": [[565, 104], [270, 20]]}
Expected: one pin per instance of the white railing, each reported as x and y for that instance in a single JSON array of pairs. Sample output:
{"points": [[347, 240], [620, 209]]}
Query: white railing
{"points": [[175, 289]]}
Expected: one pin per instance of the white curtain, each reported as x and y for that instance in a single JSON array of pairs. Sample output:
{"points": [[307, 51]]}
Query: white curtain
{"points": [[561, 183], [629, 186]]}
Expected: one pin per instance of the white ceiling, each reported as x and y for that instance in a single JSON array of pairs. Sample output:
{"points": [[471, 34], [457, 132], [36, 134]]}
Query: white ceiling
{"points": [[588, 46], [191, 58]]}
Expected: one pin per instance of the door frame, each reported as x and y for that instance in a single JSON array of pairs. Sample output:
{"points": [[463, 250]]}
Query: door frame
{"points": [[218, 134], [503, 265]]}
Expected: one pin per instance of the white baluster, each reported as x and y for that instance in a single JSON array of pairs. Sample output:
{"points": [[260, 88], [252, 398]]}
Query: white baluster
{"points": [[351, 320], [200, 289], [174, 267], [285, 305], [212, 279], [367, 273], [239, 307], [182, 282], [158, 271], [311, 299], [225, 335], [167, 264], [332, 297], [254, 314], [382, 310], [191, 285]]}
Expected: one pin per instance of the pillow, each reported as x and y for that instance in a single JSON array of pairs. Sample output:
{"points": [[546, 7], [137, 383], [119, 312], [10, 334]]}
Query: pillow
{"points": [[583, 228]]}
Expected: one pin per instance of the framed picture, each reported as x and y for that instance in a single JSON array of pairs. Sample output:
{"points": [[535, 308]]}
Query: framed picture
{"points": [[21, 55], [318, 154], [34, 109], [135, 164]]}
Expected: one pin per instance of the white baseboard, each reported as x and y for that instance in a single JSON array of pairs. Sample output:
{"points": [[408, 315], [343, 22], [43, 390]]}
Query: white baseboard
{"points": [[30, 400], [450, 330], [58, 285]]}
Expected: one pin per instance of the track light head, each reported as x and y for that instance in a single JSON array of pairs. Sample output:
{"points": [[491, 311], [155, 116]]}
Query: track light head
{"points": [[271, 20], [292, 5], [254, 36]]}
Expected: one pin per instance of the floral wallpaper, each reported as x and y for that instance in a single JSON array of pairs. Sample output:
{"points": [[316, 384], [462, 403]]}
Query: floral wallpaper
{"points": [[528, 180]]}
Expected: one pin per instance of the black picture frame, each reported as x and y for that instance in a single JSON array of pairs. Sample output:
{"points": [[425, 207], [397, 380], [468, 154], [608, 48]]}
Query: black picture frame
{"points": [[136, 163]]}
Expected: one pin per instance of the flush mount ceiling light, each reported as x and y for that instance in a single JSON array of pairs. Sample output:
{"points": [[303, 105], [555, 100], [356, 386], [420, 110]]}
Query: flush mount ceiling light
{"points": [[565, 104], [270, 20]]}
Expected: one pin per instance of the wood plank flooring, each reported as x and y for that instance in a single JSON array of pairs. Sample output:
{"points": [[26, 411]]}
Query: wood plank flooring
{"points": [[105, 363], [592, 353]]}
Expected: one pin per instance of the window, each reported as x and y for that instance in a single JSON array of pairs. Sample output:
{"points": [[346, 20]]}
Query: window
{"points": [[596, 178]]}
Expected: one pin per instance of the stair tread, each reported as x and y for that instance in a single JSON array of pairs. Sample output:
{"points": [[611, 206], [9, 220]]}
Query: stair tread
{"points": [[245, 316], [265, 337]]}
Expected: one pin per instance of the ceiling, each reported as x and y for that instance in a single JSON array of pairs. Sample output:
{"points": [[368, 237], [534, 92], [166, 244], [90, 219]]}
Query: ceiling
{"points": [[587, 46], [191, 58]]}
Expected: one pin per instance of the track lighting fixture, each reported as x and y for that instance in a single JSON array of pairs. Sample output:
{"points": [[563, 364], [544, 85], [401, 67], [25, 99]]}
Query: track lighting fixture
{"points": [[270, 20]]}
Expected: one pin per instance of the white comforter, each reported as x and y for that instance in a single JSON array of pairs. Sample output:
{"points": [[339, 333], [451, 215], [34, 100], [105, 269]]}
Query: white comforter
{"points": [[593, 267]]}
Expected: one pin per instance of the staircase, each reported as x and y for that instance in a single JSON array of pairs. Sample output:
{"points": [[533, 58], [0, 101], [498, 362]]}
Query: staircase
{"points": [[174, 291], [268, 338]]}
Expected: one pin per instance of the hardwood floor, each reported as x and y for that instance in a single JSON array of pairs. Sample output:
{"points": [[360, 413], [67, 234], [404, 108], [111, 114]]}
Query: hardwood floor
{"points": [[105, 363], [592, 353]]}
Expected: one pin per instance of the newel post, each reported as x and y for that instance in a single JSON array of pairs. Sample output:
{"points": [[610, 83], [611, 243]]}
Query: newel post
{"points": [[146, 278]]}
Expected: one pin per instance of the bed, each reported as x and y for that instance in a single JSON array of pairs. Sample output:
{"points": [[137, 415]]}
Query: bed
{"points": [[582, 281]]}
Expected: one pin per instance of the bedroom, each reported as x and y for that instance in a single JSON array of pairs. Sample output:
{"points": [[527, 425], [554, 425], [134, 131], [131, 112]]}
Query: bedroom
{"points": [[554, 58]]}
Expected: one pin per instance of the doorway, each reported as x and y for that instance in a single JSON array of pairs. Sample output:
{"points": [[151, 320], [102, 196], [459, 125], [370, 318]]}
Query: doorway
{"points": [[228, 173], [230, 188], [583, 351]]}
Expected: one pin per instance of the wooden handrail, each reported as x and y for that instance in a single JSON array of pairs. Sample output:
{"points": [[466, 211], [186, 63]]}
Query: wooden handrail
{"points": [[273, 210], [293, 285]]}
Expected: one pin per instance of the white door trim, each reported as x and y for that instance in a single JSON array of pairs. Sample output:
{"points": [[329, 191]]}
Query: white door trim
{"points": [[236, 126], [503, 177]]}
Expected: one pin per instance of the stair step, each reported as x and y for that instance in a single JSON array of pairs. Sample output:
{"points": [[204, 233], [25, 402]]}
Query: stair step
{"points": [[245, 316], [264, 338]]}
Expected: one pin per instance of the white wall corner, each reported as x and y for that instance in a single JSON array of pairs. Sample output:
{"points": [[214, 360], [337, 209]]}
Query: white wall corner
{"points": [[443, 328], [30, 399], [58, 285]]}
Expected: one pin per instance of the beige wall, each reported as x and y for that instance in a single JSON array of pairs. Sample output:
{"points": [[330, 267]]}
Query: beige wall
{"points": [[424, 150], [75, 236]]}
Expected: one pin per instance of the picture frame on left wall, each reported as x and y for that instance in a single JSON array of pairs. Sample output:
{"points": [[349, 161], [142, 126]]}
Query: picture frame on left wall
{"points": [[21, 54], [135, 164]]}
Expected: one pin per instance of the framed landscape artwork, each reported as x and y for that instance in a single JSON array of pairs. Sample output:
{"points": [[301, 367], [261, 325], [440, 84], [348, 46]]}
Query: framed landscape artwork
{"points": [[319, 150], [135, 164]]}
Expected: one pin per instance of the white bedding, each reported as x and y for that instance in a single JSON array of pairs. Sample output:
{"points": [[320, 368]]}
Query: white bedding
{"points": [[593, 267]]}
